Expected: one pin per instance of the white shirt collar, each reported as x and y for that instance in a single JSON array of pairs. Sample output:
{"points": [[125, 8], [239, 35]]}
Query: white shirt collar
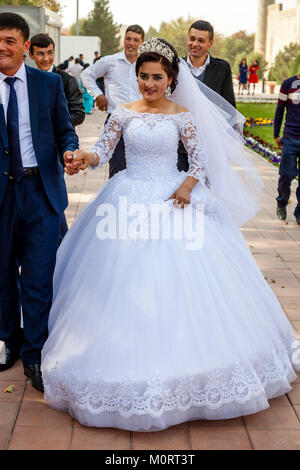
{"points": [[207, 62], [122, 56], [21, 74]]}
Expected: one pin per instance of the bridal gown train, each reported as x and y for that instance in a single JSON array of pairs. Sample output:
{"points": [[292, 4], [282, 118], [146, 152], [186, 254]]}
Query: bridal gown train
{"points": [[145, 333]]}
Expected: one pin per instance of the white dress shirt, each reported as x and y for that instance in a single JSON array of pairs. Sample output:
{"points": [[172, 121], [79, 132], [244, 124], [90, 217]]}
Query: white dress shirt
{"points": [[120, 80], [26, 144], [75, 70], [197, 71]]}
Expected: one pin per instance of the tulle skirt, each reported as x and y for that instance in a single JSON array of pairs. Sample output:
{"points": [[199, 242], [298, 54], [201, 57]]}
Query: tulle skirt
{"points": [[145, 333]]}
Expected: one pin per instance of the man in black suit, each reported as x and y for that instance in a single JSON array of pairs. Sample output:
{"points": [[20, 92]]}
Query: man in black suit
{"points": [[214, 73], [42, 51]]}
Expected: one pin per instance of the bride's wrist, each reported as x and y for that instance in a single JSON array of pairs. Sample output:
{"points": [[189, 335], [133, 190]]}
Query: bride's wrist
{"points": [[189, 183], [93, 159]]}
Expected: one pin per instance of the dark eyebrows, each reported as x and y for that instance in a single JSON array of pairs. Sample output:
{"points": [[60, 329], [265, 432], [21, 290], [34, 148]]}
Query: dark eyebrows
{"points": [[194, 38], [10, 38], [153, 74]]}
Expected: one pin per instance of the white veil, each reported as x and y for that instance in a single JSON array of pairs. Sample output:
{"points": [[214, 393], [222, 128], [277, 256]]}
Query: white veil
{"points": [[230, 170]]}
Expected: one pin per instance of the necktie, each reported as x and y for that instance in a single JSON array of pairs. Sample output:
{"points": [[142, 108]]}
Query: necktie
{"points": [[12, 124]]}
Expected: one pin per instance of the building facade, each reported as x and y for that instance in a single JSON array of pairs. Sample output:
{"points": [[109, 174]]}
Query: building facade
{"points": [[276, 28]]}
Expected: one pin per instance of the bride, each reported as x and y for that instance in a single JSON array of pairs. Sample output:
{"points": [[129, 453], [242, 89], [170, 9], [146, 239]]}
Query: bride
{"points": [[149, 326]]}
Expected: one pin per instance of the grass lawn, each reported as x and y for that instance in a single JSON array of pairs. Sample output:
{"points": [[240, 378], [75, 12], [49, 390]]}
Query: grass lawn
{"points": [[264, 132], [256, 110]]}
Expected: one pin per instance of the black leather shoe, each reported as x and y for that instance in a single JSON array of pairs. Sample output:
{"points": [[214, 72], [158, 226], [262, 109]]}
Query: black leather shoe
{"points": [[298, 219], [281, 213], [33, 372], [10, 358]]}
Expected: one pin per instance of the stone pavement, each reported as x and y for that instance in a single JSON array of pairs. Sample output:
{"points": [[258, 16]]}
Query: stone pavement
{"points": [[27, 423], [259, 95]]}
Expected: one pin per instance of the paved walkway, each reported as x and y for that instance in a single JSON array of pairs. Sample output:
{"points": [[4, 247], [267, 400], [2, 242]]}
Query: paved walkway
{"points": [[259, 95], [27, 423]]}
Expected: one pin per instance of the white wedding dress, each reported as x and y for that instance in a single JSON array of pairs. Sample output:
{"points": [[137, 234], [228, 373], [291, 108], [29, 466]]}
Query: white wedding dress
{"points": [[145, 333]]}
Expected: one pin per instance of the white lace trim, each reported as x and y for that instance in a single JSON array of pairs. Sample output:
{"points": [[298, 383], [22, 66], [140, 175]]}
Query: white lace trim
{"points": [[197, 159], [238, 385]]}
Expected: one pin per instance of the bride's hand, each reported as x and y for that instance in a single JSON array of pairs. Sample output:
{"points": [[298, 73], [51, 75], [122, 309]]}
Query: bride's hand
{"points": [[181, 197], [85, 159], [183, 194]]}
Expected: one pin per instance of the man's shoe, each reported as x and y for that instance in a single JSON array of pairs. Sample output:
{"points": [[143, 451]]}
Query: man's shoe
{"points": [[281, 213], [298, 219], [10, 358], [33, 372]]}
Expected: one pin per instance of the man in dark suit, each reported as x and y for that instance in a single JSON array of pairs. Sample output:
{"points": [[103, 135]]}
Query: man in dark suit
{"points": [[42, 51], [34, 123], [213, 72]]}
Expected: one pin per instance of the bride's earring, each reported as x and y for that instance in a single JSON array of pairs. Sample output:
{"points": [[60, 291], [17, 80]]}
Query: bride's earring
{"points": [[168, 91]]}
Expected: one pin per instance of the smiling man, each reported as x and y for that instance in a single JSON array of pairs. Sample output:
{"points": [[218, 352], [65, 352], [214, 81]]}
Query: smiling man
{"points": [[213, 72], [34, 124], [118, 71], [42, 51]]}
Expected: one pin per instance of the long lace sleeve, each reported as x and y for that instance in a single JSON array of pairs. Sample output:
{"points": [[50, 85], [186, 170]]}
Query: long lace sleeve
{"points": [[196, 156], [109, 139]]}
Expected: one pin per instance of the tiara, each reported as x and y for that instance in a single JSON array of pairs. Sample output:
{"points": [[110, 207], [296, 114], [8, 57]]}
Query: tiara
{"points": [[155, 45]]}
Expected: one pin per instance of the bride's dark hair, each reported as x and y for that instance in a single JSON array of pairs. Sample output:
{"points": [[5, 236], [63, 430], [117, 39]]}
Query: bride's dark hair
{"points": [[171, 69]]}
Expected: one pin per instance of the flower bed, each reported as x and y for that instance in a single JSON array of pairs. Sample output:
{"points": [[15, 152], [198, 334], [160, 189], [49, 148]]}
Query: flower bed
{"points": [[257, 122], [269, 152]]}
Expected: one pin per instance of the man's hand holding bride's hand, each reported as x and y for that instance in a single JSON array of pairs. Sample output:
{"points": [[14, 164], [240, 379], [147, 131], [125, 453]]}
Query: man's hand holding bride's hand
{"points": [[80, 160], [85, 159], [70, 168]]}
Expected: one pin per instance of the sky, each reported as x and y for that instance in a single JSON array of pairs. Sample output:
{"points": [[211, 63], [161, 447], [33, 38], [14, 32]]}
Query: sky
{"points": [[227, 16]]}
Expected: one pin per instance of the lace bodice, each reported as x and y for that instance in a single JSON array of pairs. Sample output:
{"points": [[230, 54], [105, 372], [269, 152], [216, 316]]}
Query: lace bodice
{"points": [[151, 143]]}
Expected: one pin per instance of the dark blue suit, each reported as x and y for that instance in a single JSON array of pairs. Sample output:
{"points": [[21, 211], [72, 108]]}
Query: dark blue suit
{"points": [[30, 217]]}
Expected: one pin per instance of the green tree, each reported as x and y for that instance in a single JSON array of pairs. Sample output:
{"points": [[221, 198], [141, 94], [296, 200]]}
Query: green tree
{"points": [[284, 61], [53, 5], [100, 22], [295, 68], [73, 27], [151, 33], [236, 45], [217, 48], [175, 32]]}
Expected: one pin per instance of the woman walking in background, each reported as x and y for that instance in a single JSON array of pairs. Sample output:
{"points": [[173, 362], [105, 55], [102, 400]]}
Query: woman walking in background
{"points": [[243, 77], [253, 78]]}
